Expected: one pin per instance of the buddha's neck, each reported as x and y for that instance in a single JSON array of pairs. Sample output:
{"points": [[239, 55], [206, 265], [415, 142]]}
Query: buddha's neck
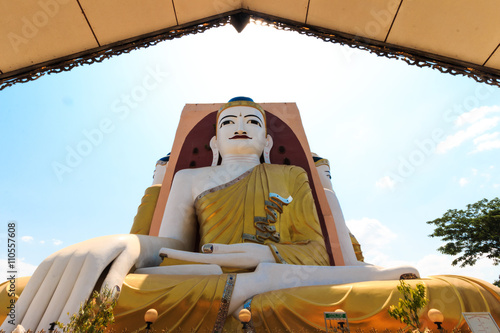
{"points": [[250, 160]]}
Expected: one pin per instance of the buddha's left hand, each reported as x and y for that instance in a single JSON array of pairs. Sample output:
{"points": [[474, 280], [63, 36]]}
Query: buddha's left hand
{"points": [[241, 255]]}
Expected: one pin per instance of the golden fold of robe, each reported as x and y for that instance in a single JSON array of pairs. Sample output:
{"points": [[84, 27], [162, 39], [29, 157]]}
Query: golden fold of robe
{"points": [[145, 211], [185, 303], [357, 248]]}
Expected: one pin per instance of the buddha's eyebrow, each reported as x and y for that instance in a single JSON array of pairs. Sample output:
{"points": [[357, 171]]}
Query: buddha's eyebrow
{"points": [[226, 117], [252, 115]]}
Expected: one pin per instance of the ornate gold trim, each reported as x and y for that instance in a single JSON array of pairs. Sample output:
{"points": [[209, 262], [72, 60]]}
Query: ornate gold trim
{"points": [[224, 304], [277, 254]]}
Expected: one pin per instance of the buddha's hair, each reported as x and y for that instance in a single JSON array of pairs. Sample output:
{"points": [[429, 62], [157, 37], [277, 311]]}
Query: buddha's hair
{"points": [[320, 160]]}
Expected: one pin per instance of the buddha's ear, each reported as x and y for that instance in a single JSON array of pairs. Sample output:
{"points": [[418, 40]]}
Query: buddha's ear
{"points": [[267, 149], [215, 151]]}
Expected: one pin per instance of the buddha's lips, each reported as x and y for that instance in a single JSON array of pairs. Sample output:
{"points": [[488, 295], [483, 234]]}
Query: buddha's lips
{"points": [[240, 137]]}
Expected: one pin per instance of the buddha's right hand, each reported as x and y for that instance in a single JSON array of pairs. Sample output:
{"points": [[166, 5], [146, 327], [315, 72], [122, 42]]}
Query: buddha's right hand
{"points": [[239, 255], [66, 279]]}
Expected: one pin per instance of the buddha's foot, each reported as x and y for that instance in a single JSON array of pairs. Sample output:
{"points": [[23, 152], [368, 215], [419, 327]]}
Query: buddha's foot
{"points": [[408, 276]]}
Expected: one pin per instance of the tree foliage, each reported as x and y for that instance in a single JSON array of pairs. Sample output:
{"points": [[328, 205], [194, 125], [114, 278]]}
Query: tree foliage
{"points": [[408, 306], [471, 233], [94, 315]]}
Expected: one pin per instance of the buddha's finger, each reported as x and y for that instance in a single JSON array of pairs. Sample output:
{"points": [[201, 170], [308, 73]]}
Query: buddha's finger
{"points": [[50, 280], [253, 253], [194, 269], [63, 290], [187, 256], [235, 260], [224, 248], [222, 259], [121, 266], [259, 250]]}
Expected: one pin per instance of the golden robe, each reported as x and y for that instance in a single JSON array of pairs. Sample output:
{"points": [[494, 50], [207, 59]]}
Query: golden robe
{"points": [[229, 214], [238, 211]]}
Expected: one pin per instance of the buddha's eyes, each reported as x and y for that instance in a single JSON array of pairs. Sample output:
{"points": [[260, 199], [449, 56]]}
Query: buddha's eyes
{"points": [[328, 175], [231, 122], [254, 122], [226, 122]]}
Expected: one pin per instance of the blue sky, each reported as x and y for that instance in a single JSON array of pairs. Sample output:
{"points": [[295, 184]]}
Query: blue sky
{"points": [[405, 143]]}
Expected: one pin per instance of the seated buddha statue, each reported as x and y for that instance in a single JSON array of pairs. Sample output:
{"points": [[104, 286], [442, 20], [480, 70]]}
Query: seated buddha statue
{"points": [[237, 234]]}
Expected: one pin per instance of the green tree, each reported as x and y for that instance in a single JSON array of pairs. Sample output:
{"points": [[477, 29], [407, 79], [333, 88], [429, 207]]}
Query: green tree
{"points": [[408, 306], [472, 233], [95, 314]]}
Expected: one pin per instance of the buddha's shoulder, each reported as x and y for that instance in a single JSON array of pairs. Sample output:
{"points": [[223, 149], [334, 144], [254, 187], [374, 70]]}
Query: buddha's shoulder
{"points": [[283, 168], [194, 172], [208, 173], [291, 170]]}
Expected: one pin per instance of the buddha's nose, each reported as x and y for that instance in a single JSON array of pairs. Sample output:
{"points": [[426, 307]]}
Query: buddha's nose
{"points": [[240, 132], [241, 128]]}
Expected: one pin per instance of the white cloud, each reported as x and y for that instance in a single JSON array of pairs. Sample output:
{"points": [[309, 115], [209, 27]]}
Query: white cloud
{"points": [[374, 237], [476, 114], [436, 264], [371, 232], [488, 145], [475, 129], [27, 239], [56, 242], [486, 175], [385, 182], [42, 242], [486, 137], [487, 141], [463, 181], [376, 257], [479, 177], [23, 268]]}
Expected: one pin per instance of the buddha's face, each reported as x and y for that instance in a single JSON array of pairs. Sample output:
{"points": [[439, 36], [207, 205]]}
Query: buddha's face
{"points": [[325, 176], [159, 174], [241, 130]]}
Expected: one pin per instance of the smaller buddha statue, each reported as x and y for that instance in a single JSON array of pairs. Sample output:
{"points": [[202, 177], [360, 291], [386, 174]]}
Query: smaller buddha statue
{"points": [[160, 169], [351, 249]]}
